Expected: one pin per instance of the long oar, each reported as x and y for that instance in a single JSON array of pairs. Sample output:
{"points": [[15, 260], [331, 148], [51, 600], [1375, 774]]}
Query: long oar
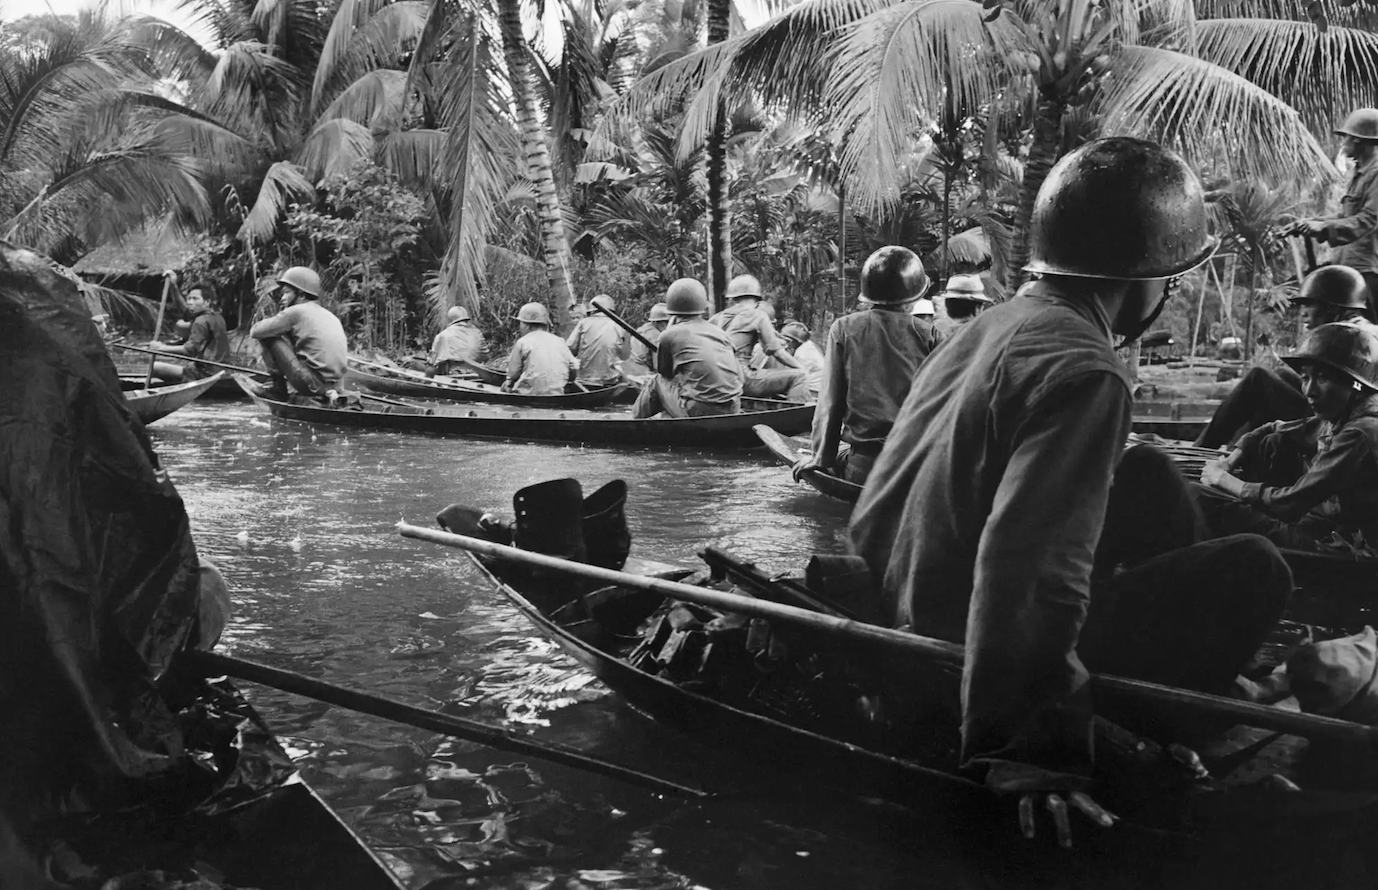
{"points": [[212, 664], [624, 325], [400, 372], [158, 328], [1137, 691]]}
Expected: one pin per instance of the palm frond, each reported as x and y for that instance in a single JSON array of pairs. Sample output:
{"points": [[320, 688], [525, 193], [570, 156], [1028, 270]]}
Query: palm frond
{"points": [[374, 100], [413, 156], [254, 90], [381, 41], [334, 146], [283, 184], [1200, 108]]}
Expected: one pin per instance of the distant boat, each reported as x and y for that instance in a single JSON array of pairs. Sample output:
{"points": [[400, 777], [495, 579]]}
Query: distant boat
{"points": [[160, 401]]}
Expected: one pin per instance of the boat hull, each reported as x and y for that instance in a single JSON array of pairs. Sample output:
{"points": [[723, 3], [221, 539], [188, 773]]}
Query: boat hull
{"points": [[460, 391], [788, 450], [155, 404]]}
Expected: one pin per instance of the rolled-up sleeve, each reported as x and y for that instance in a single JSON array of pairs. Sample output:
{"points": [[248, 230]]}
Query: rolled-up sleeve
{"points": [[1331, 473]]}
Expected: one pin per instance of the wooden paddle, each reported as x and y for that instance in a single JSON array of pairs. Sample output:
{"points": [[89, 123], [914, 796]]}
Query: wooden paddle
{"points": [[913, 645], [158, 328], [214, 664], [400, 372]]}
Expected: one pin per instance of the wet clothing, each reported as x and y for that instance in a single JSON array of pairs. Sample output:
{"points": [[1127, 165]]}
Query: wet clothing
{"points": [[873, 355], [540, 364], [1305, 479], [983, 515], [207, 339], [698, 357], [457, 342], [1260, 396], [642, 363], [317, 340], [747, 326], [599, 345]]}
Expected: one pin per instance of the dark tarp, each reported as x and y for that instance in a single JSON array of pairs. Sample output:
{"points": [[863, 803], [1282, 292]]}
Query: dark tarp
{"points": [[98, 581]]}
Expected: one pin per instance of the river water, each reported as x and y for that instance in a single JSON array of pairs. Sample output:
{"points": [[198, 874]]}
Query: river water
{"points": [[301, 520]]}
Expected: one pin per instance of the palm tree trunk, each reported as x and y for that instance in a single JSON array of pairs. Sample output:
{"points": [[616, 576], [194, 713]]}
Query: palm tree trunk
{"points": [[1042, 155], [719, 202], [943, 255], [538, 167]]}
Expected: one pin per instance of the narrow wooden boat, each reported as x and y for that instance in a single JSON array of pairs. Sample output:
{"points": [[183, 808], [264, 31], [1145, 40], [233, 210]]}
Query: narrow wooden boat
{"points": [[160, 401], [449, 389], [789, 450], [224, 388], [583, 427], [489, 374], [772, 734]]}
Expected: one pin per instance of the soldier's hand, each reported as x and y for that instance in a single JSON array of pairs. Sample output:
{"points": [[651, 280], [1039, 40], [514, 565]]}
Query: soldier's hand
{"points": [[1060, 806], [805, 465], [1215, 475], [1314, 228]]}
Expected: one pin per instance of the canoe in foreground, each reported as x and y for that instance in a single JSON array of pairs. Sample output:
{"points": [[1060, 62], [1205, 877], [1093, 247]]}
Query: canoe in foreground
{"points": [[789, 450], [224, 388], [160, 401], [622, 636], [584, 428], [448, 389]]}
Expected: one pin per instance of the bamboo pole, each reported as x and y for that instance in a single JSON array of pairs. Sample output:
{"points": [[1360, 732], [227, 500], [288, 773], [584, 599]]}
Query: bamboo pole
{"points": [[158, 327], [1140, 692]]}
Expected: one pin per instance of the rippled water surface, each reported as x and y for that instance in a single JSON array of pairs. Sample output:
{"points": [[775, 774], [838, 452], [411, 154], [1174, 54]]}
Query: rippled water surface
{"points": [[301, 522]]}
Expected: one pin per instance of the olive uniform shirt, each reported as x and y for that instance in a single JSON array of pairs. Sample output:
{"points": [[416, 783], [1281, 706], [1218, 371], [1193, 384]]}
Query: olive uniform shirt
{"points": [[316, 335], [699, 357], [1355, 234]]}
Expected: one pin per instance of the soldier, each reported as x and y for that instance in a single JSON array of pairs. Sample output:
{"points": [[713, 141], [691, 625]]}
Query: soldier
{"points": [[697, 372], [540, 363], [304, 344], [599, 344], [747, 324], [642, 362], [458, 342]]}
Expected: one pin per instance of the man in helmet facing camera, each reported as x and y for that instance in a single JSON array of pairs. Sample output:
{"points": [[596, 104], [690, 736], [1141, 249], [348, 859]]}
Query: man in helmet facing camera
{"points": [[1354, 232], [1329, 294], [540, 363], [984, 512], [697, 372], [458, 342], [304, 344]]}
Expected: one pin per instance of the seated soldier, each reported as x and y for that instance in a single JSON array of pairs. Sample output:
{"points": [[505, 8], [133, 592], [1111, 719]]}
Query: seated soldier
{"points": [[303, 344], [1329, 294], [206, 338], [458, 342], [800, 344], [963, 300], [697, 371], [599, 344], [748, 324], [540, 363], [1299, 481], [642, 363], [873, 354]]}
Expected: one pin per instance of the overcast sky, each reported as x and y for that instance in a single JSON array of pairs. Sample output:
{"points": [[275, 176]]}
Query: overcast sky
{"points": [[164, 9]]}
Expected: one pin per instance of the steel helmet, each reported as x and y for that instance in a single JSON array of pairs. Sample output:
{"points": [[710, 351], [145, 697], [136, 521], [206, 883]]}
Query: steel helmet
{"points": [[1119, 208], [893, 275], [795, 331], [743, 286], [686, 297], [659, 313], [533, 313], [1351, 349], [1338, 286], [303, 279], [457, 313], [923, 307], [603, 301], [966, 287], [1362, 123]]}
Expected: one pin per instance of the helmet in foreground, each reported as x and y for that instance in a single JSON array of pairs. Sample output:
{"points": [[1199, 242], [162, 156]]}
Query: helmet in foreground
{"points": [[892, 276], [457, 313], [1362, 123], [686, 296], [659, 313], [1120, 208], [795, 331], [603, 301], [743, 286], [1351, 349], [303, 279], [533, 313], [1338, 286]]}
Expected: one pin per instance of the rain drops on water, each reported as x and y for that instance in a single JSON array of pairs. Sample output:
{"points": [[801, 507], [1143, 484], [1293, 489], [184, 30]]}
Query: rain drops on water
{"points": [[242, 538], [295, 543]]}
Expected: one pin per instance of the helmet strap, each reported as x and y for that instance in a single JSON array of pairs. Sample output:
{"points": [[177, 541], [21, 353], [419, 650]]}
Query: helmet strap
{"points": [[1168, 291]]}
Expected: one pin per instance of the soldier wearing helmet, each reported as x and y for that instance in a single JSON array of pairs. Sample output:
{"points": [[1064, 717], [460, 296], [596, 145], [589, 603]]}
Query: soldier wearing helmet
{"points": [[697, 372], [1354, 231], [985, 514], [600, 344], [872, 356], [457, 343], [962, 300], [304, 344], [1299, 481], [748, 325], [799, 342], [642, 361], [1329, 294], [540, 363]]}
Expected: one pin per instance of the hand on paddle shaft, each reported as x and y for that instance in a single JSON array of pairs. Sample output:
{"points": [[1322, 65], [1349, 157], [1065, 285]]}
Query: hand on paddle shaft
{"points": [[807, 465], [1059, 806]]}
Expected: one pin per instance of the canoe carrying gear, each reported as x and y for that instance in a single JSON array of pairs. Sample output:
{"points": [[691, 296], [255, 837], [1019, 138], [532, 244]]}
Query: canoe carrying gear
{"points": [[603, 301], [303, 279], [1120, 208], [966, 287], [533, 313], [1338, 678], [457, 313], [1350, 349], [659, 313], [744, 286], [893, 275], [1362, 123], [923, 307], [1338, 286], [795, 331], [686, 296]]}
